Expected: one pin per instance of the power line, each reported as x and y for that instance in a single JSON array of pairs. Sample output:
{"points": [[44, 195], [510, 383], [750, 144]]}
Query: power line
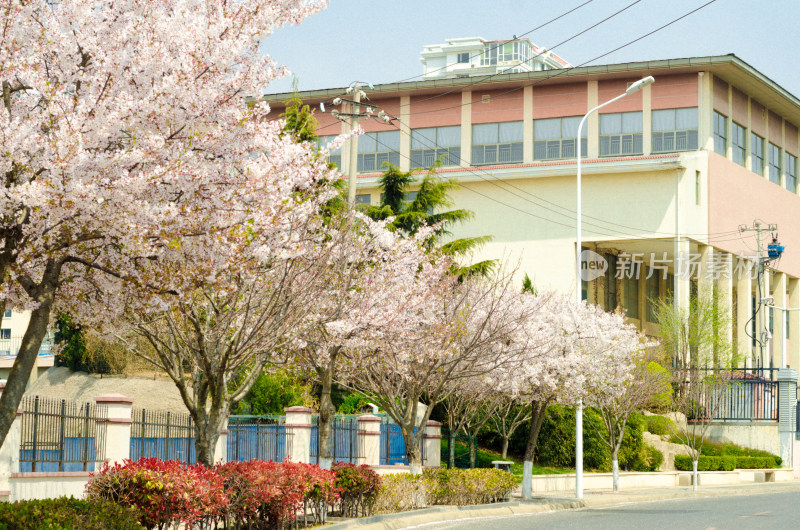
{"points": [[516, 38]]}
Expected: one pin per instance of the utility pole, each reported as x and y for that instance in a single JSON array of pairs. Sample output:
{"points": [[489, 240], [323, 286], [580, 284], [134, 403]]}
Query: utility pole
{"points": [[352, 119], [774, 251]]}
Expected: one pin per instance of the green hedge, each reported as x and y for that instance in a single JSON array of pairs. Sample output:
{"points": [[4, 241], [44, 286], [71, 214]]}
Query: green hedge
{"points": [[706, 463], [455, 487], [659, 425], [67, 513], [725, 463]]}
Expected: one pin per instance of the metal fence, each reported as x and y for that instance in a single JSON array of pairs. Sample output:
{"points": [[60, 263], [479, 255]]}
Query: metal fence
{"points": [[393, 445], [749, 397], [344, 439], [256, 437], [162, 434], [59, 435]]}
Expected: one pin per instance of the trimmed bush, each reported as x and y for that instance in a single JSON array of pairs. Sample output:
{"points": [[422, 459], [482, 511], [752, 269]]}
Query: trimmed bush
{"points": [[706, 463], [756, 462], [455, 487], [163, 491], [268, 494], [67, 512], [659, 425], [357, 487], [461, 487], [402, 492]]}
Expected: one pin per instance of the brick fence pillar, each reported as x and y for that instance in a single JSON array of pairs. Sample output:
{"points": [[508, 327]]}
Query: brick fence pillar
{"points": [[9, 456], [432, 441], [369, 440], [118, 428], [298, 434]]}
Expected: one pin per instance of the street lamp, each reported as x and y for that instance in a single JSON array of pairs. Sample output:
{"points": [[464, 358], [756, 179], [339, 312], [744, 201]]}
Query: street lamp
{"points": [[635, 87]]}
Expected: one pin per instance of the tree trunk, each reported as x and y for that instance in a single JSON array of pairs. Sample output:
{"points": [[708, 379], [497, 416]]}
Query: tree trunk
{"points": [[473, 450], [504, 452], [694, 474], [205, 443], [413, 452], [451, 445], [615, 469], [538, 411], [327, 413], [25, 360]]}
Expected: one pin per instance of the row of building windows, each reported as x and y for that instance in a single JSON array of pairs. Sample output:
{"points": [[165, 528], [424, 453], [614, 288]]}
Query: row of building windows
{"points": [[554, 138], [766, 158]]}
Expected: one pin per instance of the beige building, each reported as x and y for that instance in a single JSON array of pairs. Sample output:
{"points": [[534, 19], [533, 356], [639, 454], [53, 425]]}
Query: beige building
{"points": [[671, 174]]}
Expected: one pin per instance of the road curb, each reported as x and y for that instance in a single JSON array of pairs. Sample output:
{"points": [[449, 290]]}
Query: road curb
{"points": [[436, 514]]}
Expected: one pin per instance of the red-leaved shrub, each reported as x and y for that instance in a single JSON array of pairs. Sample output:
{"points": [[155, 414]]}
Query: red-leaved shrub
{"points": [[164, 491], [358, 486]]}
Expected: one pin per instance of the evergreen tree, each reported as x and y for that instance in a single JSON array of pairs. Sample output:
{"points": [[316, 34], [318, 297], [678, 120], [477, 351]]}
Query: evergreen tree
{"points": [[428, 207]]}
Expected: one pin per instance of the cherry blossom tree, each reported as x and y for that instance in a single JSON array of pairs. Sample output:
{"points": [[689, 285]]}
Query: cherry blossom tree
{"points": [[127, 143], [373, 285], [509, 415], [471, 404], [572, 348], [629, 389], [468, 330]]}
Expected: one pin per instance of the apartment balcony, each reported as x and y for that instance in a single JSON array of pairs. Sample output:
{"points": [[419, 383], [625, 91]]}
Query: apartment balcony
{"points": [[10, 347]]}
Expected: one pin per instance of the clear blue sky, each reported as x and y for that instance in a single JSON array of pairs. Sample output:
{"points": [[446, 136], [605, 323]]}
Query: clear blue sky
{"points": [[380, 41]]}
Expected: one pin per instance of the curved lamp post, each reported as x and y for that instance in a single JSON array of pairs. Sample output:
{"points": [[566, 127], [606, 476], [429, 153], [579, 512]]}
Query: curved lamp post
{"points": [[635, 87]]}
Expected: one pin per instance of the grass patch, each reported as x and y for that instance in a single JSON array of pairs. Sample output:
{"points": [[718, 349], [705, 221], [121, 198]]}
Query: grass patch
{"points": [[484, 458]]}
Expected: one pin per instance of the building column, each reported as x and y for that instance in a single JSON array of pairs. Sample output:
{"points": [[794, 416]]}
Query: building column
{"points": [[118, 428], [432, 441], [466, 128], [725, 293], [527, 124], [405, 133], [744, 310], [647, 120], [794, 323], [593, 123], [787, 420], [778, 319], [298, 434], [705, 111], [369, 440]]}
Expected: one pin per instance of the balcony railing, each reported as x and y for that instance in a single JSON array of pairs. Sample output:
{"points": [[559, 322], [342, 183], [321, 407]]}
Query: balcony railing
{"points": [[10, 347]]}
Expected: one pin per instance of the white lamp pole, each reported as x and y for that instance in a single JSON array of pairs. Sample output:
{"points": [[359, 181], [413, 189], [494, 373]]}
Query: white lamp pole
{"points": [[635, 87]]}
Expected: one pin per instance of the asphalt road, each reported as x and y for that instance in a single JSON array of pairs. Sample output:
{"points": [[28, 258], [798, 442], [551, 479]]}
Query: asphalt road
{"points": [[751, 512]]}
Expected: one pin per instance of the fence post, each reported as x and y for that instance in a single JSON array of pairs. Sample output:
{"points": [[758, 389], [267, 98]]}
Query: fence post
{"points": [[221, 449], [369, 440], [9, 456], [432, 440], [787, 419], [298, 434], [118, 428]]}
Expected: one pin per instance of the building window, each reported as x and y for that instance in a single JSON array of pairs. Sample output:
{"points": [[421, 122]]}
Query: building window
{"points": [[364, 198], [739, 142], [463, 57], [774, 163], [756, 154], [611, 283], [621, 134], [7, 314], [429, 145], [506, 52], [670, 287], [5, 334], [651, 291], [674, 130], [377, 149], [494, 143], [632, 293], [720, 134], [336, 156], [790, 168], [555, 138]]}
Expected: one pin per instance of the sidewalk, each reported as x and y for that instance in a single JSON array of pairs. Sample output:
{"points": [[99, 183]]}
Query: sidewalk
{"points": [[555, 502]]}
